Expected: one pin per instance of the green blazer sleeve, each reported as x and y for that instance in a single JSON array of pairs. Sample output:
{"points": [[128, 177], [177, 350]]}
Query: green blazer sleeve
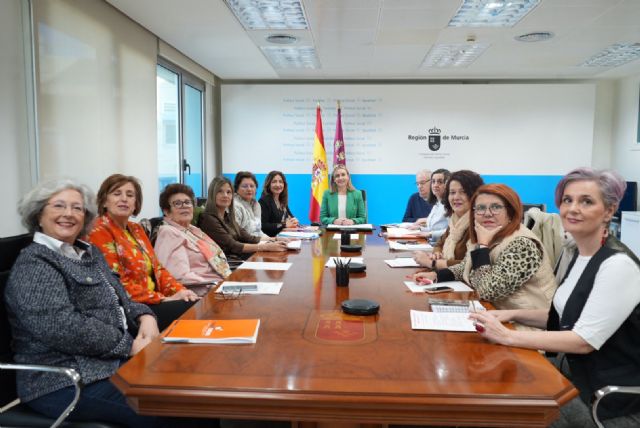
{"points": [[355, 207], [329, 207]]}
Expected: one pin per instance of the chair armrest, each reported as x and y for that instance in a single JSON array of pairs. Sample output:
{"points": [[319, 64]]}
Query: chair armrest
{"points": [[603, 392], [70, 373]]}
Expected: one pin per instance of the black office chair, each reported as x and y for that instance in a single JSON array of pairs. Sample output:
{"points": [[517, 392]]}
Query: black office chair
{"points": [[366, 208], [151, 226], [15, 414]]}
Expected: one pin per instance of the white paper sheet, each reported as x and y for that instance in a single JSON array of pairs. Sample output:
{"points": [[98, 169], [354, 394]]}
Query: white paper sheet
{"points": [[403, 225], [395, 245], [458, 286], [352, 236], [294, 245], [299, 235], [331, 262], [350, 227], [398, 232], [263, 287], [402, 262], [265, 266], [447, 321]]}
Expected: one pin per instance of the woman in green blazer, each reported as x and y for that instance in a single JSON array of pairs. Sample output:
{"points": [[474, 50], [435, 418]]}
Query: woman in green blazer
{"points": [[342, 204]]}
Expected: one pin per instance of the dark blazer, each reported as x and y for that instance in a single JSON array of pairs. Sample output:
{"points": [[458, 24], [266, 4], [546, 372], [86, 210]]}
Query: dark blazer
{"points": [[230, 239], [273, 218]]}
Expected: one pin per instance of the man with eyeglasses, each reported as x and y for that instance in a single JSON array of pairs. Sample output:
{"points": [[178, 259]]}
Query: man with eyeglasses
{"points": [[418, 206]]}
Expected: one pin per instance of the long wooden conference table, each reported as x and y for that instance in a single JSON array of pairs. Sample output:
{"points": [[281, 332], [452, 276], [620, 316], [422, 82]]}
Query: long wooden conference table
{"points": [[316, 366]]}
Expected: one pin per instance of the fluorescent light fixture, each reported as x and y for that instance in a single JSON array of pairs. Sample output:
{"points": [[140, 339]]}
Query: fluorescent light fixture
{"points": [[269, 14], [453, 55], [615, 55], [491, 13], [291, 57]]}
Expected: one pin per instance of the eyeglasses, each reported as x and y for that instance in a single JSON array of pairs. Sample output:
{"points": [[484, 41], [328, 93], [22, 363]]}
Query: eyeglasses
{"points": [[179, 204], [247, 186], [422, 183], [494, 209], [61, 207], [228, 295]]}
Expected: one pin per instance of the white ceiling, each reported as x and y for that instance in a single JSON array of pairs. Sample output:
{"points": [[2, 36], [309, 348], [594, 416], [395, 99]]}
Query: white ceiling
{"points": [[389, 39]]}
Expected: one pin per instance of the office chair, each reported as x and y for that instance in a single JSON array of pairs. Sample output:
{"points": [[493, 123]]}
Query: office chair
{"points": [[16, 414], [603, 392], [527, 207], [548, 228], [151, 226], [366, 208]]}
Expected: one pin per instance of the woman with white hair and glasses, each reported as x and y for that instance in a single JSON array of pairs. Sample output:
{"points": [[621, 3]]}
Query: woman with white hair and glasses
{"points": [[67, 309], [594, 319]]}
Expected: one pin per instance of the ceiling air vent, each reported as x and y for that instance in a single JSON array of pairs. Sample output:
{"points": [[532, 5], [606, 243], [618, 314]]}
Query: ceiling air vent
{"points": [[537, 36], [281, 39]]}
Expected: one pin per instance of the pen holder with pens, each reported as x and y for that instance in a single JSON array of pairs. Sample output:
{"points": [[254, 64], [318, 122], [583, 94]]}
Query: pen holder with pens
{"points": [[342, 273]]}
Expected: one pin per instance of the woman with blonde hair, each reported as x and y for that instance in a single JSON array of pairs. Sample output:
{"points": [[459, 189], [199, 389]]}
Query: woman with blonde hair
{"points": [[342, 204]]}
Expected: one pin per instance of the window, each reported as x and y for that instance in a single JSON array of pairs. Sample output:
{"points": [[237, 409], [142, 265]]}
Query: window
{"points": [[180, 121]]}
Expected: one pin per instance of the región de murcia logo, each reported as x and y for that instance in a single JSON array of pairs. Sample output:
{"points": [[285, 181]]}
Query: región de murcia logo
{"points": [[434, 139]]}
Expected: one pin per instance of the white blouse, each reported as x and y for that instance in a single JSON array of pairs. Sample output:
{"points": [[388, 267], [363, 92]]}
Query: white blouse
{"points": [[437, 221], [342, 206], [615, 293]]}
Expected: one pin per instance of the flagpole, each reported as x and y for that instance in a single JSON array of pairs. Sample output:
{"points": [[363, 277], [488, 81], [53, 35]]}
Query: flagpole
{"points": [[339, 154]]}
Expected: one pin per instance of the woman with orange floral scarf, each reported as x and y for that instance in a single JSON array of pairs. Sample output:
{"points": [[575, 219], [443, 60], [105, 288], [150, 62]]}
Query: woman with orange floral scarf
{"points": [[130, 254]]}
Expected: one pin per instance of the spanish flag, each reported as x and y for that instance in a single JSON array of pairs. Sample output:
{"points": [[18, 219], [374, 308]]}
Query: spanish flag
{"points": [[319, 171]]}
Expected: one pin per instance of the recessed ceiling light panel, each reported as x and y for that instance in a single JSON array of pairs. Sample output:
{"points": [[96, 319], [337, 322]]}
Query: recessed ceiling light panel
{"points": [[614, 56], [269, 14], [537, 36], [492, 13], [291, 57], [453, 55]]}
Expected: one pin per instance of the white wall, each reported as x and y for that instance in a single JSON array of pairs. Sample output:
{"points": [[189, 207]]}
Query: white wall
{"points": [[626, 149], [507, 129], [14, 144], [603, 124]]}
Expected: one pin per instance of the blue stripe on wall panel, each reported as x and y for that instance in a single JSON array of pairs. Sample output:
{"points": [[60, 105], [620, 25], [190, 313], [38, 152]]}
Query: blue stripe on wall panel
{"points": [[387, 195]]}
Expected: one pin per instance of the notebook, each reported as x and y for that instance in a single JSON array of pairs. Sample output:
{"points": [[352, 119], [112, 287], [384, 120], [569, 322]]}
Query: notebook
{"points": [[212, 331]]}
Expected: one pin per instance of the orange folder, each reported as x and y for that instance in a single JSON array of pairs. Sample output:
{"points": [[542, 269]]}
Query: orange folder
{"points": [[212, 331]]}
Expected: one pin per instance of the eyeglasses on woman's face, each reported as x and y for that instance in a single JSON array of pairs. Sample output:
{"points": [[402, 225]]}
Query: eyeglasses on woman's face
{"points": [[493, 209], [59, 207], [182, 203]]}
